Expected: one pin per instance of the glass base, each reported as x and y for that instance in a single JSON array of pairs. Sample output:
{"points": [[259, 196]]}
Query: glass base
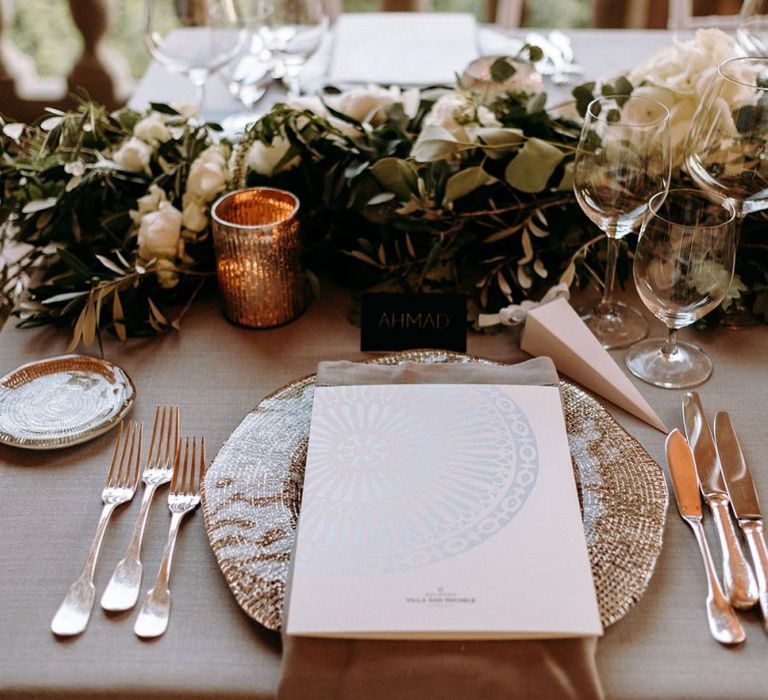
{"points": [[687, 366], [616, 325]]}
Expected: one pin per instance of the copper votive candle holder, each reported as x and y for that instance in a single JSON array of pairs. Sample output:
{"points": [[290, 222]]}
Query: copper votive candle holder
{"points": [[258, 256]]}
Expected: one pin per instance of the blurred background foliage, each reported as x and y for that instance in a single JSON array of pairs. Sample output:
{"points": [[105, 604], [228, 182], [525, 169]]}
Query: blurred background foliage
{"points": [[54, 43]]}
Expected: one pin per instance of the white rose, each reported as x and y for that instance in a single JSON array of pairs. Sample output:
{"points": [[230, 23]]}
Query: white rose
{"points": [[207, 174], [159, 232], [452, 112], [133, 155], [167, 275], [263, 158], [152, 129], [194, 217], [365, 104], [310, 103], [149, 202]]}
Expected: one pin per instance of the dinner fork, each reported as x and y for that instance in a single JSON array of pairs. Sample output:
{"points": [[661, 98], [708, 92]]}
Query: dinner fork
{"points": [[183, 498], [122, 591], [73, 614]]}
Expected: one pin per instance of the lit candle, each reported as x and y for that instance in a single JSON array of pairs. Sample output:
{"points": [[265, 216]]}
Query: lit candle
{"points": [[258, 265]]}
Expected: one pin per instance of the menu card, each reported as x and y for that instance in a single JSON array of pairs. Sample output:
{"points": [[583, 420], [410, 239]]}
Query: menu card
{"points": [[402, 48], [440, 511]]}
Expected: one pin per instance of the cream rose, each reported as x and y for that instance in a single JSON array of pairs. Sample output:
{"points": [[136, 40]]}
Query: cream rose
{"points": [[159, 232], [152, 129], [133, 155], [194, 217], [149, 202], [264, 158], [208, 174], [451, 112]]}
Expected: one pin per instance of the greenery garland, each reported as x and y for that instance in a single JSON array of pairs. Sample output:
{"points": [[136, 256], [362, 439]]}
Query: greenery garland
{"points": [[433, 190]]}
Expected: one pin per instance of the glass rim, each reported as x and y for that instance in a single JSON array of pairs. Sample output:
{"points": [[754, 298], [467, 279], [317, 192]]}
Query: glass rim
{"points": [[721, 70], [254, 227], [654, 206], [664, 117]]}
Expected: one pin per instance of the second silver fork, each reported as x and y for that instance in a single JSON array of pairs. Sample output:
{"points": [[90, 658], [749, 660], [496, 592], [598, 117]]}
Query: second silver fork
{"points": [[122, 591]]}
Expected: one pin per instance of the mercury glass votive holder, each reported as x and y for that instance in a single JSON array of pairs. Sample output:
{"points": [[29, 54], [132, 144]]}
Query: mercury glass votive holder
{"points": [[258, 256]]}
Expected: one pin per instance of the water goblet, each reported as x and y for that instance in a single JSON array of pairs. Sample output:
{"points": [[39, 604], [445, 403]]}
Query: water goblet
{"points": [[214, 33], [297, 30], [683, 267], [622, 159], [249, 74], [752, 32]]}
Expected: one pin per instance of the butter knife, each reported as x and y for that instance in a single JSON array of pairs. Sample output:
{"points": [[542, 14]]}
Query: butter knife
{"points": [[723, 623], [744, 501], [738, 580]]}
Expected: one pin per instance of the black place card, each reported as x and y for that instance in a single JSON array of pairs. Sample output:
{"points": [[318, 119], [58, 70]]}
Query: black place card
{"points": [[409, 321]]}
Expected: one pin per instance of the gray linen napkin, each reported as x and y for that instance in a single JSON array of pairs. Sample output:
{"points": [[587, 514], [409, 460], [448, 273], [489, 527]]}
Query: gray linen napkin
{"points": [[348, 669]]}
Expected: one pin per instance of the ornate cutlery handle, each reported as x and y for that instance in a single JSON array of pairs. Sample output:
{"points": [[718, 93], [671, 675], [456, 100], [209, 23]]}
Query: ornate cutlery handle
{"points": [[156, 609], [73, 614], [723, 623], [122, 591], [753, 531], [738, 580]]}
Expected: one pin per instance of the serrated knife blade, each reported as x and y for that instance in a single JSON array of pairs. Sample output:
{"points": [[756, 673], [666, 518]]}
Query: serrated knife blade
{"points": [[745, 504], [738, 580], [724, 626]]}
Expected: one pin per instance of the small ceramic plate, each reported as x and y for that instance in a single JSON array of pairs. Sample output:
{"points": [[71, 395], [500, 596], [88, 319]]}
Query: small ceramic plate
{"points": [[62, 401]]}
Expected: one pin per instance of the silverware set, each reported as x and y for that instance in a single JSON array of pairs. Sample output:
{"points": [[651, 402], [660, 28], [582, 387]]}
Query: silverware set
{"points": [[170, 459], [713, 467], [558, 60]]}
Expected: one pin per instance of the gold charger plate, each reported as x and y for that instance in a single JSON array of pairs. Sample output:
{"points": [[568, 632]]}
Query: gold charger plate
{"points": [[62, 401], [252, 494]]}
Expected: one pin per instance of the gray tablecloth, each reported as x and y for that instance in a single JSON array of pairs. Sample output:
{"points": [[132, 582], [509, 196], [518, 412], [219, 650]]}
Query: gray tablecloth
{"points": [[49, 505]]}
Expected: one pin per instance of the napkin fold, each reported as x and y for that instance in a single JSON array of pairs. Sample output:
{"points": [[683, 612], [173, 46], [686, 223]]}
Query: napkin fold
{"points": [[341, 669]]}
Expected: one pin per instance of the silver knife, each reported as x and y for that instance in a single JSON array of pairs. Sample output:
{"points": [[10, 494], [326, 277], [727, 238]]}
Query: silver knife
{"points": [[738, 579], [744, 501], [723, 623]]}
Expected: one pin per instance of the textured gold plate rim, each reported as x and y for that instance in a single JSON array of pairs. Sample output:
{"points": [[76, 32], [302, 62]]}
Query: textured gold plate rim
{"points": [[118, 376], [615, 557]]}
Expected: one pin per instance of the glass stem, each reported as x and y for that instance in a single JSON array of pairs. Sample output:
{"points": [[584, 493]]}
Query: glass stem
{"points": [[200, 100], [610, 272], [669, 348]]}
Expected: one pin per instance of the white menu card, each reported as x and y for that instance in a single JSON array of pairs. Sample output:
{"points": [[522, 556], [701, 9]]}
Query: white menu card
{"points": [[440, 511], [402, 48]]}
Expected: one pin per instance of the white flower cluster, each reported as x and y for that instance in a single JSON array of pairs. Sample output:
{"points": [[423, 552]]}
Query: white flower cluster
{"points": [[162, 229], [678, 75], [366, 105], [455, 112]]}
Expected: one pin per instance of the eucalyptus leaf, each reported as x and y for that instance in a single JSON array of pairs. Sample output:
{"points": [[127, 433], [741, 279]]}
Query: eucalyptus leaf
{"points": [[395, 175], [434, 143], [466, 181], [530, 170]]}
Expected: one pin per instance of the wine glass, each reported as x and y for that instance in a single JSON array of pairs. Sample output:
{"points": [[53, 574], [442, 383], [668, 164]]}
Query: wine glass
{"points": [[752, 32], [298, 28], [249, 74], [622, 159], [727, 148], [213, 35], [683, 267]]}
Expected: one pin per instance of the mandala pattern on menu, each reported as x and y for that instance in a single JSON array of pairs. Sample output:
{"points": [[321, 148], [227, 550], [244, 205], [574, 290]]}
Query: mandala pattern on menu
{"points": [[461, 485]]}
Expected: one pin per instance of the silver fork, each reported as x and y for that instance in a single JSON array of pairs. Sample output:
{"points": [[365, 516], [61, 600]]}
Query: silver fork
{"points": [[122, 591], [123, 477], [184, 497]]}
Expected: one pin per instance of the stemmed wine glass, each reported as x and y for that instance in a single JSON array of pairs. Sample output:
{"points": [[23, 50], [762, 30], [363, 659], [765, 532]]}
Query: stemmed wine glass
{"points": [[249, 74], [682, 268], [726, 152], [727, 148], [623, 158], [214, 34], [298, 28], [752, 32]]}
